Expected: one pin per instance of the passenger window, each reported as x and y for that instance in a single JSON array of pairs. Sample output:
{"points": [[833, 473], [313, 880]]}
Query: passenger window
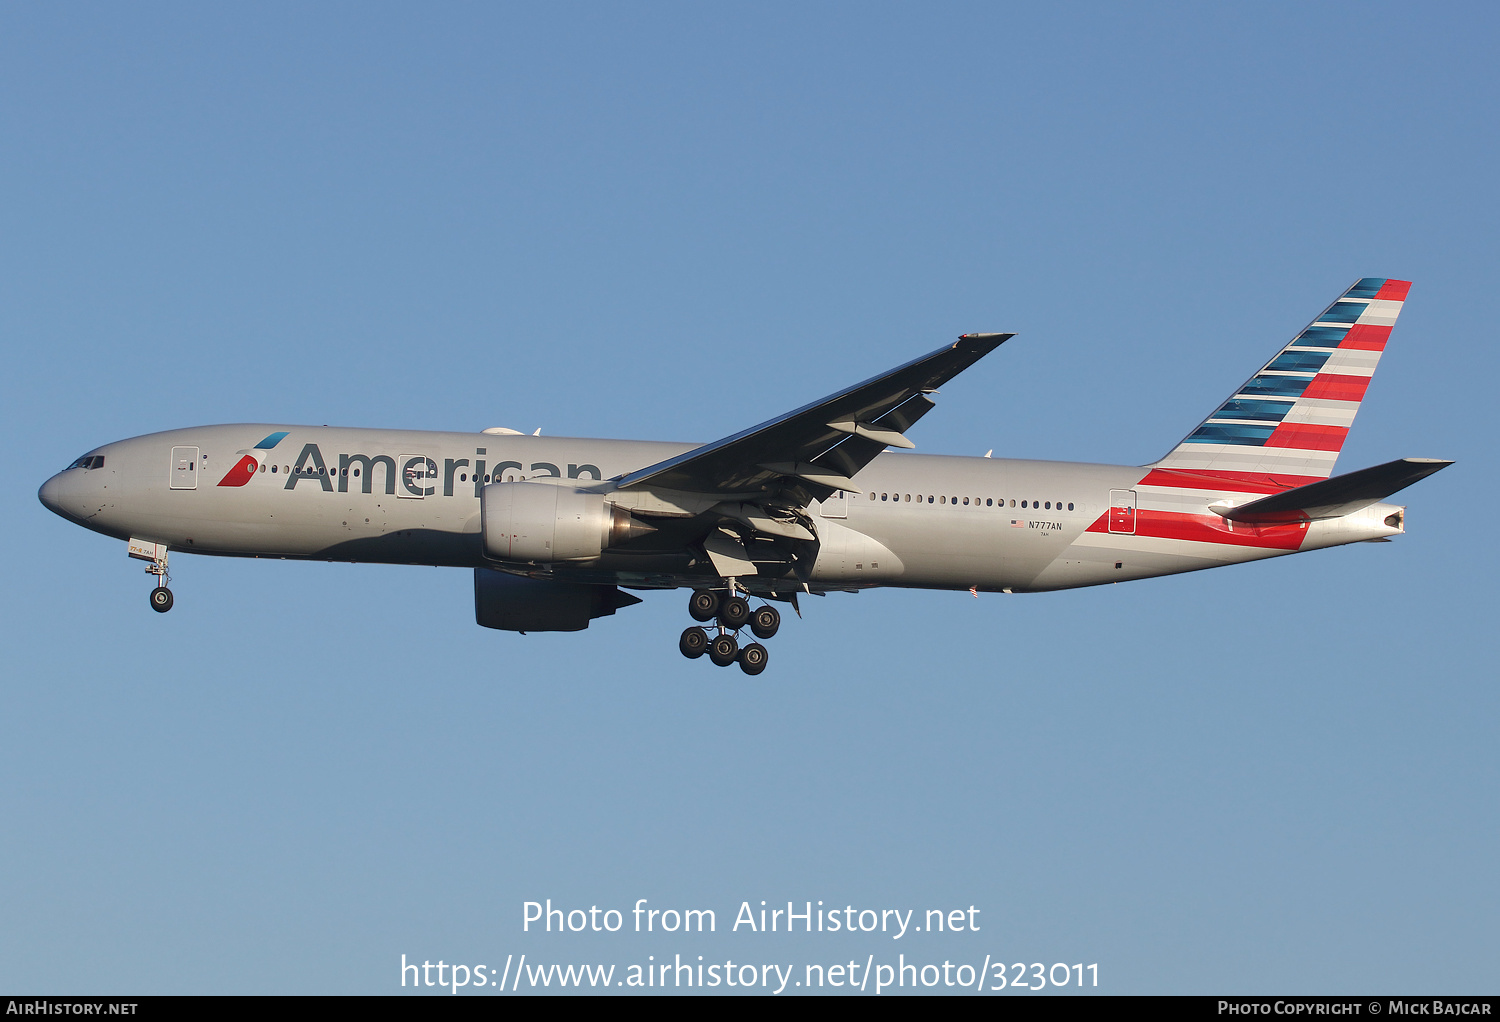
{"points": [[1070, 505], [273, 468], [990, 502], [966, 502], [872, 496]]}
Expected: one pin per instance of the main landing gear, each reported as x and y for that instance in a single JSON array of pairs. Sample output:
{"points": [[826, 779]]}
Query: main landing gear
{"points": [[730, 615]]}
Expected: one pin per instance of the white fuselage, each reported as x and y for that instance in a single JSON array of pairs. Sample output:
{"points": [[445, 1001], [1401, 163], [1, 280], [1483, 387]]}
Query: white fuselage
{"points": [[927, 521]]}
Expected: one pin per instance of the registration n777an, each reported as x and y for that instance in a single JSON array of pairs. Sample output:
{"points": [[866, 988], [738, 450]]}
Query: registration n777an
{"points": [[556, 529]]}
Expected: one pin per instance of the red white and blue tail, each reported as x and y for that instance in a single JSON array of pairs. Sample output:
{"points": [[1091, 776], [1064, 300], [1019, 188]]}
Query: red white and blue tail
{"points": [[1286, 425]]}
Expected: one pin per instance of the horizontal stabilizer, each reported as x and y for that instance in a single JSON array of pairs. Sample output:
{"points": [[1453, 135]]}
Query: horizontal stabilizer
{"points": [[1333, 498]]}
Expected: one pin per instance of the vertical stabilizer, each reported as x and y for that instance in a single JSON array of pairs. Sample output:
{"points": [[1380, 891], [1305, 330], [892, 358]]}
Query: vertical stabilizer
{"points": [[1286, 425]]}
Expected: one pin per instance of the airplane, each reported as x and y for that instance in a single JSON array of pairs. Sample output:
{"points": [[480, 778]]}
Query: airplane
{"points": [[557, 529]]}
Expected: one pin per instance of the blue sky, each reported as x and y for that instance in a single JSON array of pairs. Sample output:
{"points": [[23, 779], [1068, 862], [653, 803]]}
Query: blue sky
{"points": [[670, 222]]}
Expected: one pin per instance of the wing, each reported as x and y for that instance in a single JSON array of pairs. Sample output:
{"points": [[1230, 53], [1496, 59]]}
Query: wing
{"points": [[820, 445]]}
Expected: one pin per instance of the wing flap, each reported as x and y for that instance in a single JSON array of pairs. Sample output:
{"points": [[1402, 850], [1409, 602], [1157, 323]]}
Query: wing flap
{"points": [[728, 554]]}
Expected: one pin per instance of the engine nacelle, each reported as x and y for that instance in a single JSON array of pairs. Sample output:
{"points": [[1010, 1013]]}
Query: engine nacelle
{"points": [[546, 522], [517, 604]]}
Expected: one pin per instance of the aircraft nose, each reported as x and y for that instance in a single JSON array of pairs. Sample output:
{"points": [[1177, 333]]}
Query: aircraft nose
{"points": [[51, 494], [64, 494]]}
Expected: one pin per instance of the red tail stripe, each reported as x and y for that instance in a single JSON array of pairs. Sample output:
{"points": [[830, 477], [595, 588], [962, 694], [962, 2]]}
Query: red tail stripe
{"points": [[1393, 291], [1336, 387], [1221, 479], [1366, 337], [1305, 437]]}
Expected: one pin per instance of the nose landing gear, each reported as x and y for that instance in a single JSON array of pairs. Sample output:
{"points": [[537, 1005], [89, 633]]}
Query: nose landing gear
{"points": [[156, 554], [730, 614]]}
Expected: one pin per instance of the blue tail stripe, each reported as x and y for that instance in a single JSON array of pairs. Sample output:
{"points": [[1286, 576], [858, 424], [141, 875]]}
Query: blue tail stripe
{"points": [[1277, 386], [1343, 312], [1250, 408], [1367, 287], [1244, 434], [1299, 361], [1321, 337]]}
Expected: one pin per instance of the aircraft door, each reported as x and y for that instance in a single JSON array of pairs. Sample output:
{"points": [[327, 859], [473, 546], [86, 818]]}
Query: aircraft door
{"points": [[418, 476], [184, 468], [1122, 511], [835, 506]]}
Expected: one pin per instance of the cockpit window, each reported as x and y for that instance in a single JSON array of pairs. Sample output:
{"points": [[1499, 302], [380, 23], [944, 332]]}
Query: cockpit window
{"points": [[89, 461]]}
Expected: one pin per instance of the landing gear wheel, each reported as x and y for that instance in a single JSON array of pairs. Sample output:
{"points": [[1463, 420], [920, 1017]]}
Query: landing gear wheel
{"points": [[753, 658], [765, 621], [703, 605], [734, 612], [694, 643], [723, 650], [161, 599]]}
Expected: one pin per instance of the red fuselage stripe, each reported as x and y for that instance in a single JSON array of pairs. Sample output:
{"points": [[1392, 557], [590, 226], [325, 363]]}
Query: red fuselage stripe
{"points": [[1209, 528]]}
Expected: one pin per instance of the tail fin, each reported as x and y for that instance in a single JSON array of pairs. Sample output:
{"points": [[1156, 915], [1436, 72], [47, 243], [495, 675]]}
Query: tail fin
{"points": [[1286, 425]]}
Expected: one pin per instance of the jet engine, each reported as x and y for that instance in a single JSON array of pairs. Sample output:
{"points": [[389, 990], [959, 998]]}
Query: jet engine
{"points": [[535, 605], [548, 522]]}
